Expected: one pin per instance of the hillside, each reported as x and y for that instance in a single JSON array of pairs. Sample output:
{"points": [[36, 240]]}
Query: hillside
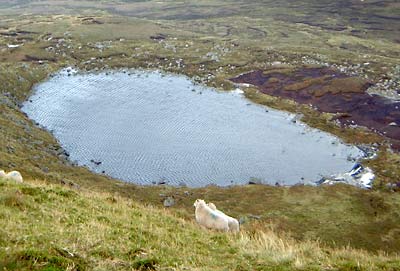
{"points": [[66, 217], [49, 227]]}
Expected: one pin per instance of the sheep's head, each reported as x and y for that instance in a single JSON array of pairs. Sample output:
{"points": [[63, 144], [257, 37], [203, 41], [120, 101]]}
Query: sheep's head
{"points": [[198, 202], [2, 173]]}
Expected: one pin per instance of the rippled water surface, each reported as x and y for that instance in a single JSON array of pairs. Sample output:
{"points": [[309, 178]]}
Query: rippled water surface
{"points": [[147, 127]]}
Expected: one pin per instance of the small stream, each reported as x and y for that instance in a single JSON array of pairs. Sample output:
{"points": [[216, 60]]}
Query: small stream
{"points": [[150, 128]]}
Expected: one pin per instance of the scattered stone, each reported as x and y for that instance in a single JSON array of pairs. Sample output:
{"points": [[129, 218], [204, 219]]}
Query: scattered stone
{"points": [[97, 163], [391, 186], [358, 176], [158, 37], [13, 45], [242, 220], [257, 217], [254, 180], [36, 157], [6, 100], [74, 185], [10, 149], [186, 193], [276, 63], [296, 118], [169, 202]]}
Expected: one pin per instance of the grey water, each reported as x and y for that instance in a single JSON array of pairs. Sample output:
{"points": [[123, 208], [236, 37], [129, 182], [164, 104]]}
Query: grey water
{"points": [[147, 127]]}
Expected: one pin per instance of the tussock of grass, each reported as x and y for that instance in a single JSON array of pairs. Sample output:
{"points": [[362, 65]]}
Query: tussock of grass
{"points": [[67, 230]]}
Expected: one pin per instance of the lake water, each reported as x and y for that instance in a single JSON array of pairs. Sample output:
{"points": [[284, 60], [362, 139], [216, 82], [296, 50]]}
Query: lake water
{"points": [[148, 127]]}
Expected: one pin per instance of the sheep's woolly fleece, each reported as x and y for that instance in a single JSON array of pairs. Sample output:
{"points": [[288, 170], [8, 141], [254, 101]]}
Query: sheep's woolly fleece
{"points": [[233, 223], [12, 175], [213, 219]]}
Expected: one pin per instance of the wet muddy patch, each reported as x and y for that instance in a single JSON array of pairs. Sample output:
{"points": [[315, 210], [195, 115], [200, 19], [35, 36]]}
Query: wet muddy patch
{"points": [[333, 92], [155, 128]]}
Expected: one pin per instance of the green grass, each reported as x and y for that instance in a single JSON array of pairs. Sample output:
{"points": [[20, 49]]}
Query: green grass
{"points": [[48, 227], [217, 38]]}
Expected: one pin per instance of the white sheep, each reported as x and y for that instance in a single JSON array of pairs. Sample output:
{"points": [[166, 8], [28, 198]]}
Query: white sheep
{"points": [[13, 175], [209, 218], [233, 223]]}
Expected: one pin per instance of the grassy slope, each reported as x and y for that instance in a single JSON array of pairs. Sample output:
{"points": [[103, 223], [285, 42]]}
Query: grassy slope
{"points": [[336, 215], [49, 227]]}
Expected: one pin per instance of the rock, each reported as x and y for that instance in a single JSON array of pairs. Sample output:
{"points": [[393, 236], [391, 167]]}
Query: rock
{"points": [[257, 217], [74, 185], [36, 157], [242, 220], [10, 149], [97, 163], [296, 118], [254, 180], [391, 185], [357, 176], [4, 99], [169, 201], [186, 193]]}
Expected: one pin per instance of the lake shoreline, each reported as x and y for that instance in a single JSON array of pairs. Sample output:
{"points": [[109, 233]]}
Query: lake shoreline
{"points": [[95, 162]]}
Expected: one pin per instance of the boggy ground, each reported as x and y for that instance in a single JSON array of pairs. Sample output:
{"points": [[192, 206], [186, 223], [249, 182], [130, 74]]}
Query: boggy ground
{"points": [[332, 92], [211, 43]]}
